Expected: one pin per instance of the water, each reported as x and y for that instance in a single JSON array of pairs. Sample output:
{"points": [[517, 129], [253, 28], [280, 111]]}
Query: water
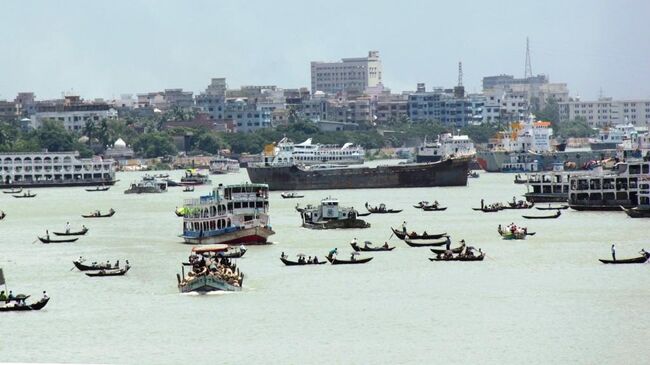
{"points": [[546, 299]]}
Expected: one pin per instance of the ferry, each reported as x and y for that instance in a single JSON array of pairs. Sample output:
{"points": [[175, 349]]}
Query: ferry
{"points": [[642, 210], [54, 169], [329, 215], [147, 185], [223, 165], [193, 177], [550, 186], [445, 146], [609, 190], [287, 153], [611, 138], [231, 214], [209, 272]]}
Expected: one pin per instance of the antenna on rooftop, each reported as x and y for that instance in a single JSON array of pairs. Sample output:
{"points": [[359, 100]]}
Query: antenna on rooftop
{"points": [[460, 73], [528, 72]]}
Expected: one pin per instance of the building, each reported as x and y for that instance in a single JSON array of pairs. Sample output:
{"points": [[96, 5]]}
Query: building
{"points": [[165, 100], [606, 111], [119, 152], [446, 106], [8, 110], [352, 75], [393, 108], [72, 111], [245, 116], [349, 111]]}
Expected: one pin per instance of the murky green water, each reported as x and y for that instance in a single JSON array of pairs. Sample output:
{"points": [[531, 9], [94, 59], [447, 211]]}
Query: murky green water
{"points": [[546, 299]]}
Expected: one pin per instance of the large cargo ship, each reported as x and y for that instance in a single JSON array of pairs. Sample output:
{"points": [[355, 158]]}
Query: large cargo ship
{"points": [[450, 172], [54, 169]]}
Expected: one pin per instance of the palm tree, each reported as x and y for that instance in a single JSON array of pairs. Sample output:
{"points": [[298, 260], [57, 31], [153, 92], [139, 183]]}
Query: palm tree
{"points": [[89, 130]]}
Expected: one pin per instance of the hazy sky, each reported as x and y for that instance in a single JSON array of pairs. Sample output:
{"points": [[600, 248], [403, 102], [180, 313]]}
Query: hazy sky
{"points": [[105, 48]]}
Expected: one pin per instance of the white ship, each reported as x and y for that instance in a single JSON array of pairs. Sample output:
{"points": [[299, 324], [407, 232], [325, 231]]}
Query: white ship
{"points": [[447, 145], [287, 153], [53, 169], [223, 165]]}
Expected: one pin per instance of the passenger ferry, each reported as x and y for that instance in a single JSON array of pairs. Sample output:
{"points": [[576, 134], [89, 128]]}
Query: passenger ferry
{"points": [[445, 146], [552, 186], [54, 169], [287, 153], [610, 138], [609, 191], [231, 214], [223, 165], [642, 210], [209, 272], [147, 185], [329, 215], [193, 177]]}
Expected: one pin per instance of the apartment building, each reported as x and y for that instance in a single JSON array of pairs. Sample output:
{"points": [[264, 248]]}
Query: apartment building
{"points": [[352, 75], [607, 111]]}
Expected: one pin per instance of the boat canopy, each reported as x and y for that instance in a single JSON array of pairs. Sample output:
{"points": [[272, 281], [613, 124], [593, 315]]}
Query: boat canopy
{"points": [[210, 248]]}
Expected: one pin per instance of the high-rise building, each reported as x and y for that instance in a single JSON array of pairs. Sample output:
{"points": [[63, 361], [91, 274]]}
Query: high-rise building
{"points": [[606, 111], [351, 75]]}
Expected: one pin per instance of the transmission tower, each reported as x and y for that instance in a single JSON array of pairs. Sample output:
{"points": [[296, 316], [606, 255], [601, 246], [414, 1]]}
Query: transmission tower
{"points": [[460, 73], [528, 72]]}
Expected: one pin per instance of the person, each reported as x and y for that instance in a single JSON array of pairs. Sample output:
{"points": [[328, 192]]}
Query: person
{"points": [[3, 296], [514, 200], [351, 257], [81, 259], [67, 227], [10, 297], [435, 204], [45, 297], [448, 244], [499, 229], [47, 234], [283, 255], [404, 227], [385, 244], [83, 228], [315, 259], [309, 260], [482, 203], [333, 253], [354, 241], [613, 251]]}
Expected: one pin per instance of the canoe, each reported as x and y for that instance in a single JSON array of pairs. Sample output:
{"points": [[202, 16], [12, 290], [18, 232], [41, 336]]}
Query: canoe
{"points": [[24, 196], [105, 188], [99, 216], [401, 235], [488, 210], [46, 240], [93, 267], [29, 307], [78, 233], [335, 261], [363, 248], [12, 191], [291, 196], [553, 208], [425, 243], [459, 258], [385, 211], [515, 206], [636, 260], [296, 263], [556, 215], [363, 214], [637, 212], [434, 209], [453, 250], [117, 272]]}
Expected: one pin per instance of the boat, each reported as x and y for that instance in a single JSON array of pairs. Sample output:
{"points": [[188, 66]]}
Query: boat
{"points": [[291, 195], [635, 212], [441, 251], [449, 172], [560, 207], [489, 208], [366, 247], [556, 215], [609, 138], [637, 260], [552, 186], [25, 307], [610, 190], [2, 215], [473, 175], [445, 146], [13, 191], [422, 243], [99, 188], [94, 266], [519, 180], [414, 236], [148, 185], [230, 214], [519, 205], [301, 261], [223, 165], [98, 214], [82, 232], [335, 261], [193, 177], [288, 153], [161, 176], [110, 272], [25, 195], [421, 204], [233, 253], [188, 189], [434, 208], [459, 258], [381, 209], [54, 169], [518, 233], [330, 215], [50, 240], [209, 272]]}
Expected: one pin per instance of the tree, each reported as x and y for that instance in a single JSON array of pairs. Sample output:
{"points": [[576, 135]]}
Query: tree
{"points": [[53, 136], [154, 144], [209, 143], [102, 133], [550, 112], [89, 130], [578, 128]]}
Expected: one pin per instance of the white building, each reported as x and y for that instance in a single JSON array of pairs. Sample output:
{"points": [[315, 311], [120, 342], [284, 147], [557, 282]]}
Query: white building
{"points": [[606, 111], [73, 112], [348, 75]]}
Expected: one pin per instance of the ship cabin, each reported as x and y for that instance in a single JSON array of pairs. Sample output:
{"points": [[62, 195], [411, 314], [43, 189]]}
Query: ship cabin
{"points": [[620, 188], [226, 209]]}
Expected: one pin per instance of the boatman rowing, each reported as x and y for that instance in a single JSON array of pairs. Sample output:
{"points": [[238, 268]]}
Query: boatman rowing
{"points": [[614, 251]]}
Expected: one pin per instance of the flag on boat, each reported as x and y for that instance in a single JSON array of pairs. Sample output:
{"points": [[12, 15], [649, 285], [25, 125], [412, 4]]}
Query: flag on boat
{"points": [[2, 277]]}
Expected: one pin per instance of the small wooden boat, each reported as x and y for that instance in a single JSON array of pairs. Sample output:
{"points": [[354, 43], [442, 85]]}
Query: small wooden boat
{"points": [[27, 307], [421, 204], [188, 189], [296, 263], [460, 258], [93, 267], [472, 174], [564, 206], [25, 195], [453, 250], [335, 261], [413, 243], [49, 240], [13, 191], [112, 272], [363, 214], [519, 180], [636, 260], [161, 176], [637, 212], [366, 248], [232, 254], [434, 208], [98, 214], [78, 233], [556, 215], [99, 188], [2, 215], [381, 209], [291, 195], [425, 236], [523, 205]]}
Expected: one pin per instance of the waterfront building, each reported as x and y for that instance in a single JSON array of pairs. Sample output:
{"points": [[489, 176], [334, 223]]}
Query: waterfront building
{"points": [[349, 111], [607, 111], [73, 112], [347, 75], [119, 151], [390, 108], [442, 105], [8, 110], [167, 99], [246, 116]]}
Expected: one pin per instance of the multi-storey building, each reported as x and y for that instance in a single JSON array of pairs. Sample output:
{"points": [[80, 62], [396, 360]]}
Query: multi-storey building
{"points": [[349, 111], [446, 106], [391, 108], [72, 111], [168, 99], [348, 75], [245, 116], [606, 111], [8, 110]]}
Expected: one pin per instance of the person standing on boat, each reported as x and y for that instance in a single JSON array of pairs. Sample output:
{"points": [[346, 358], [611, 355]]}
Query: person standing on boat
{"points": [[614, 251], [333, 253], [354, 241], [67, 227], [448, 244], [404, 227], [482, 203]]}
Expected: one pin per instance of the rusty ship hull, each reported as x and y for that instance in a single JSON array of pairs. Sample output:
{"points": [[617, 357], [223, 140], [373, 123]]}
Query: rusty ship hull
{"points": [[450, 172]]}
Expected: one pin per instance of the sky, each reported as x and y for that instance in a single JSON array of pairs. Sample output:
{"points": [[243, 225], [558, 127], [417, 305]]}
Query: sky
{"points": [[111, 47]]}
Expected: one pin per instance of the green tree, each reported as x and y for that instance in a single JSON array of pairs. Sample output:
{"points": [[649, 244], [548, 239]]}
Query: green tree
{"points": [[154, 144], [89, 130], [578, 128], [53, 136]]}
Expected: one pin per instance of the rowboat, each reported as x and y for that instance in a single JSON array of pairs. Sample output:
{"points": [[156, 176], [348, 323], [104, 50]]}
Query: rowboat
{"points": [[556, 215]]}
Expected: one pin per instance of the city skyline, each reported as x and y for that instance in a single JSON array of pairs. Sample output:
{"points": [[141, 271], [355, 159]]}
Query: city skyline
{"points": [[102, 50]]}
